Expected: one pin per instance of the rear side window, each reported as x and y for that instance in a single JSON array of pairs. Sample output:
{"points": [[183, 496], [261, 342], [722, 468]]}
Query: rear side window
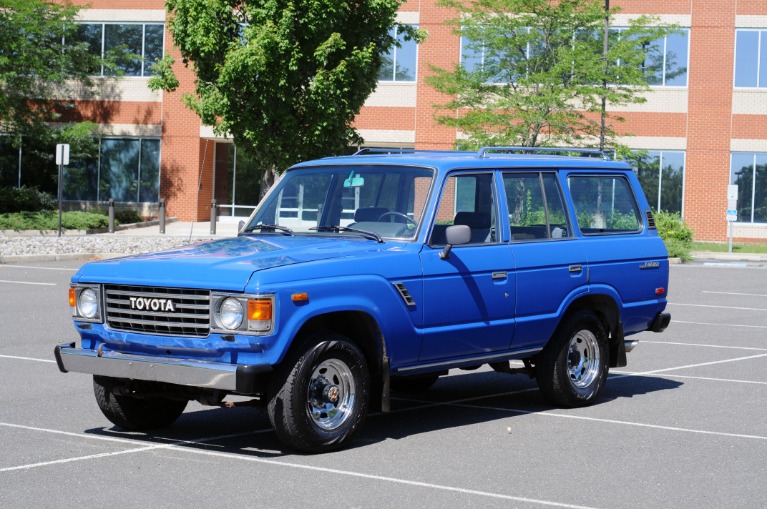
{"points": [[536, 209], [604, 204]]}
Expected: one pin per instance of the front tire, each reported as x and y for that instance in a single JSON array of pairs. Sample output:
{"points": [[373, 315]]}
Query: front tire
{"points": [[135, 413], [572, 369], [319, 397]]}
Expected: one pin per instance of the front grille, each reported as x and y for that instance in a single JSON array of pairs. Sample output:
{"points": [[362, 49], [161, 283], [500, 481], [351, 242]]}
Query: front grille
{"points": [[166, 311]]}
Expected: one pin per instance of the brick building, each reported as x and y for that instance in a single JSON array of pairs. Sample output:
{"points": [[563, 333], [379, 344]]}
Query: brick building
{"points": [[705, 127]]}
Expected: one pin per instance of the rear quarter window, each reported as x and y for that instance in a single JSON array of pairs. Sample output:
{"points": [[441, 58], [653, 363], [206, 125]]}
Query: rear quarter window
{"points": [[604, 204]]}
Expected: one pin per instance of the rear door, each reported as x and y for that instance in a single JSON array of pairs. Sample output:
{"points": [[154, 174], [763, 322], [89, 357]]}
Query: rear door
{"points": [[550, 260]]}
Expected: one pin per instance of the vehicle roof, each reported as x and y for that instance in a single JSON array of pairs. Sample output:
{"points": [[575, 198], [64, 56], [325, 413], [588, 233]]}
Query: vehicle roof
{"points": [[483, 159]]}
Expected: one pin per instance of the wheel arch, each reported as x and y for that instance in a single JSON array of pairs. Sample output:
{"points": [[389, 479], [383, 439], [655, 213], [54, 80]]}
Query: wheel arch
{"points": [[362, 330], [608, 311]]}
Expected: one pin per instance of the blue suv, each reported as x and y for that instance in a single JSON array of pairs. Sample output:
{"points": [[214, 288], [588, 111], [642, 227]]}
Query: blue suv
{"points": [[361, 275]]}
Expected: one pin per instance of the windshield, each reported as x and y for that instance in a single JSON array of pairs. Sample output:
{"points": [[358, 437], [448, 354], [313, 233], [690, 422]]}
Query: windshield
{"points": [[386, 201]]}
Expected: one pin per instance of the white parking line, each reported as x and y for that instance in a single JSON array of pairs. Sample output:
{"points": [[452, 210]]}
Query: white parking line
{"points": [[722, 324], [699, 345], [622, 374], [4, 266], [736, 293], [24, 358], [715, 307], [181, 446], [27, 283], [702, 364]]}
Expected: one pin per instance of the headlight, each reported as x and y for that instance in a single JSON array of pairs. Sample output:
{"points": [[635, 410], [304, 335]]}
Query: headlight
{"points": [[231, 313], [88, 303], [85, 303], [242, 313]]}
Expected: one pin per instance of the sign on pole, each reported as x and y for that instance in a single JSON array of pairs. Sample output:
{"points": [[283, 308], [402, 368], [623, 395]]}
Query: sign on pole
{"points": [[62, 154]]}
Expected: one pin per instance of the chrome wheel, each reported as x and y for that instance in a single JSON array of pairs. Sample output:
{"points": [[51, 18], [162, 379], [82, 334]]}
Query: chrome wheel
{"points": [[331, 394], [583, 364]]}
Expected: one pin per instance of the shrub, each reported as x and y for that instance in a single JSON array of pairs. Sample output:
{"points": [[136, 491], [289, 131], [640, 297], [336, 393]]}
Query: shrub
{"points": [[25, 199], [675, 234], [127, 216], [49, 220]]}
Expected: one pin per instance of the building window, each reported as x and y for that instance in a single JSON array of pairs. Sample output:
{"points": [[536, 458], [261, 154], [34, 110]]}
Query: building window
{"points": [[751, 58], [666, 60], [133, 47], [748, 170], [401, 62], [126, 170], [661, 173], [665, 64]]}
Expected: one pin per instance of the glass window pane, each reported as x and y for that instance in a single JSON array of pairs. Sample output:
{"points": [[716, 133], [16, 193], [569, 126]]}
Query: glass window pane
{"points": [[746, 47], [123, 44], [604, 205], [150, 171], [676, 59], [648, 171], [90, 34], [742, 174], [81, 179], [653, 63], [119, 170], [153, 47], [763, 61], [9, 162], [558, 224], [471, 54], [386, 72], [406, 60], [672, 182], [760, 192]]}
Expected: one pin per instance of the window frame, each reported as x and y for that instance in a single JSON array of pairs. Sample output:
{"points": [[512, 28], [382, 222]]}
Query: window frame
{"points": [[761, 35], [145, 72]]}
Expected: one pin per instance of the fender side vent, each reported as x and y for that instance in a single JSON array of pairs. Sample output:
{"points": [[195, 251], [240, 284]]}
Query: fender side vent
{"points": [[402, 289], [651, 221]]}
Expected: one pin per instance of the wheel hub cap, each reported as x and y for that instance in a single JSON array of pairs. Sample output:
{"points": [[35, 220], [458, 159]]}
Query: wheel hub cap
{"points": [[583, 359], [331, 394]]}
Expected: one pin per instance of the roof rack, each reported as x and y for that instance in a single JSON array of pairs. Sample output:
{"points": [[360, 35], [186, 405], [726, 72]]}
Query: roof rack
{"points": [[585, 152], [379, 150]]}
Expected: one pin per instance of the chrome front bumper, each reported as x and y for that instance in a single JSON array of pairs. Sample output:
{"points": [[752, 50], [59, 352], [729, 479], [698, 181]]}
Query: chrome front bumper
{"points": [[238, 378]]}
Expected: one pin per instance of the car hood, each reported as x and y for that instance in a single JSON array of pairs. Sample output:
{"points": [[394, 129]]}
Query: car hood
{"points": [[226, 264]]}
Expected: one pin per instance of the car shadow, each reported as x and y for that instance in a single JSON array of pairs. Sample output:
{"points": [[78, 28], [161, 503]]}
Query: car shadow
{"points": [[453, 402]]}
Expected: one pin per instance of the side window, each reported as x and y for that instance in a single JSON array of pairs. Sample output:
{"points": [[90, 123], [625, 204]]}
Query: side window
{"points": [[467, 199], [604, 204], [536, 209]]}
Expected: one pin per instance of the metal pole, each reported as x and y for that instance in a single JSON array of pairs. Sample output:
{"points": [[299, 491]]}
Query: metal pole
{"points": [[162, 216], [603, 112], [729, 235], [213, 217], [61, 174], [111, 215]]}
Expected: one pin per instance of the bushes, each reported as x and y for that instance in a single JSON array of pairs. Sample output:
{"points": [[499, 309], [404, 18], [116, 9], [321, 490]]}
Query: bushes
{"points": [[28, 199], [675, 234], [49, 220]]}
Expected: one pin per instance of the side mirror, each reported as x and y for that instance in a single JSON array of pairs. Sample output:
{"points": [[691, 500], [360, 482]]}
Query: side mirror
{"points": [[456, 235], [240, 225]]}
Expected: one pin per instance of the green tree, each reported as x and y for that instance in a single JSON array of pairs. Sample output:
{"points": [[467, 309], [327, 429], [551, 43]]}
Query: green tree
{"points": [[285, 78], [37, 67], [41, 64], [534, 72]]}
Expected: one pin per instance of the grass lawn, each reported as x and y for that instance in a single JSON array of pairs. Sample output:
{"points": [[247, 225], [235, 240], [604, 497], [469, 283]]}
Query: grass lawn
{"points": [[723, 247]]}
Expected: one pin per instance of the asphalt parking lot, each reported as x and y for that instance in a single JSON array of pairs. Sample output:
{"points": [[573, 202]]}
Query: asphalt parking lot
{"points": [[684, 425]]}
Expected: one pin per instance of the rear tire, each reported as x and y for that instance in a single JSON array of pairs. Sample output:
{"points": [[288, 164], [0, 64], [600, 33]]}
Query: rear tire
{"points": [[319, 396], [134, 413], [572, 369]]}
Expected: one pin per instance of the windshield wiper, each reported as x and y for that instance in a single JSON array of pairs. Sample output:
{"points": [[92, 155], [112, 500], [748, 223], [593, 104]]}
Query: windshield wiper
{"points": [[338, 229], [262, 227]]}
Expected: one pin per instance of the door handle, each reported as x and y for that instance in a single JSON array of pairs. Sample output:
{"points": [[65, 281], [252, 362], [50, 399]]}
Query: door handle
{"points": [[576, 269], [498, 276]]}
